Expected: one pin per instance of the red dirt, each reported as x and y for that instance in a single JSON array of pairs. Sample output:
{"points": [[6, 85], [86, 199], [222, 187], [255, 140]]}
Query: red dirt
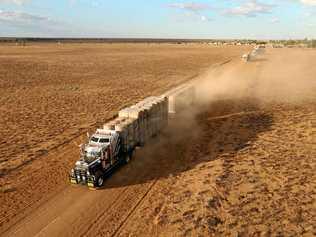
{"points": [[240, 164], [51, 94]]}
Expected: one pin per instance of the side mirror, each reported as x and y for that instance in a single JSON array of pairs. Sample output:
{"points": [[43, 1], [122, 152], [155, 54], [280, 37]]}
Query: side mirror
{"points": [[82, 147]]}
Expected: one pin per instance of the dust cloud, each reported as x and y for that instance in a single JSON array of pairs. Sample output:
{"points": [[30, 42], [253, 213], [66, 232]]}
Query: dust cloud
{"points": [[270, 81], [268, 78], [233, 89]]}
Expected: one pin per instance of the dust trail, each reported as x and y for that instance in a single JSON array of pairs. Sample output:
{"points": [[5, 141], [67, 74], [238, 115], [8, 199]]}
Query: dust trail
{"points": [[288, 81], [231, 83], [269, 81], [237, 88], [285, 82]]}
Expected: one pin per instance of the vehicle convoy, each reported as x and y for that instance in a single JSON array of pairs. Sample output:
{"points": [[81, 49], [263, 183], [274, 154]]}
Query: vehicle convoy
{"points": [[115, 143]]}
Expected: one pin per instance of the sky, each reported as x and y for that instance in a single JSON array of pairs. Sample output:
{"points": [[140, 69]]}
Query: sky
{"points": [[223, 19]]}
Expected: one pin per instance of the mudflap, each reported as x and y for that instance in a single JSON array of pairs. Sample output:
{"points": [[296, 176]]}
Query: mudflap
{"points": [[91, 183], [91, 186], [73, 181]]}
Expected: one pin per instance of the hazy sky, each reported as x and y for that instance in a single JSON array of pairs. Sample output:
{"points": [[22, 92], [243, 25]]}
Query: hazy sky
{"points": [[159, 19]]}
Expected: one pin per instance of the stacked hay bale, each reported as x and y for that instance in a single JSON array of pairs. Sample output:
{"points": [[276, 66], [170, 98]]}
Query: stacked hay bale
{"points": [[148, 117], [135, 119], [127, 128], [164, 111], [124, 131], [138, 123]]}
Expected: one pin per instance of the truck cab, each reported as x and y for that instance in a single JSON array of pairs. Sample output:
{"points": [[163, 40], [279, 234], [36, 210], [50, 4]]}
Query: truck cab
{"points": [[98, 157]]}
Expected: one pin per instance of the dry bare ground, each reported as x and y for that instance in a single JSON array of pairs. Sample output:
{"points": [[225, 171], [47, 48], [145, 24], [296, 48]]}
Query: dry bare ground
{"points": [[251, 169], [51, 94], [240, 163]]}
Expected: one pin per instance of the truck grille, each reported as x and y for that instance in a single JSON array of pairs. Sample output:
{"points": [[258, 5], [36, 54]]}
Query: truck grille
{"points": [[80, 173]]}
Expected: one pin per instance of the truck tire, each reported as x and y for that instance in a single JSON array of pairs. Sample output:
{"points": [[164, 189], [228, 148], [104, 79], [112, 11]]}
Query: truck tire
{"points": [[129, 156], [99, 179], [127, 159]]}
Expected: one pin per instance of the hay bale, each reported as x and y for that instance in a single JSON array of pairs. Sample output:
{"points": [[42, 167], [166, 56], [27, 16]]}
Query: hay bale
{"points": [[135, 129], [124, 113], [109, 126], [123, 131], [144, 119]]}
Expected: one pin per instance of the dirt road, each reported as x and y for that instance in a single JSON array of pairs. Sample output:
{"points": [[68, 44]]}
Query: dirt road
{"points": [[241, 164], [78, 211]]}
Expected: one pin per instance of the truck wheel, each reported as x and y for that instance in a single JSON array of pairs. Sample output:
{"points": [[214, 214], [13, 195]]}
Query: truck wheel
{"points": [[131, 154], [99, 180], [127, 159]]}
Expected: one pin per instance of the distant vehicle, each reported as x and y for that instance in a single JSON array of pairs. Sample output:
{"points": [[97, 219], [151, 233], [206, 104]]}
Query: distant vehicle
{"points": [[246, 57]]}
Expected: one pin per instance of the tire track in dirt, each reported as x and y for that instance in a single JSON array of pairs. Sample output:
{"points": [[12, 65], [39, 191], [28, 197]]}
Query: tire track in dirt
{"points": [[119, 200], [134, 209], [119, 212], [94, 222]]}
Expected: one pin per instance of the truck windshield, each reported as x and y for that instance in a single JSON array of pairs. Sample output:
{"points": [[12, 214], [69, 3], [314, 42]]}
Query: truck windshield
{"points": [[91, 156], [94, 139], [104, 140], [89, 159]]}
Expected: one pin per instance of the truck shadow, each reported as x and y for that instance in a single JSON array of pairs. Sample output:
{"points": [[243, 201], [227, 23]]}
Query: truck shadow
{"points": [[200, 135]]}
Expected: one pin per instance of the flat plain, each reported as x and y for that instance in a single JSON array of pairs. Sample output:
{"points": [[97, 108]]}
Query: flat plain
{"points": [[50, 93], [240, 162]]}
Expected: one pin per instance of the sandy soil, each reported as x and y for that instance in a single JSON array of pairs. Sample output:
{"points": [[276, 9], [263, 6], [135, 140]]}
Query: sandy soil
{"points": [[51, 95], [241, 163], [251, 170]]}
